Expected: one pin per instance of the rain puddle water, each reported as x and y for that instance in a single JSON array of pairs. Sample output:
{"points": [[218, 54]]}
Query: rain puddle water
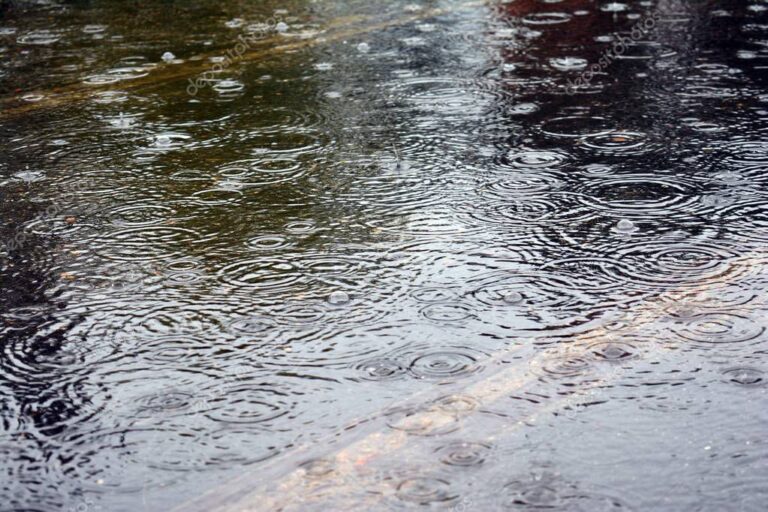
{"points": [[305, 255]]}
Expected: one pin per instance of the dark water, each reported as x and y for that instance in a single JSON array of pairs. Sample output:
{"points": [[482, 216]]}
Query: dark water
{"points": [[377, 204]]}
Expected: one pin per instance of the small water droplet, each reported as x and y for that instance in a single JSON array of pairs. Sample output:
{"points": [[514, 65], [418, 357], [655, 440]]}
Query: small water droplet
{"points": [[338, 298], [363, 48], [281, 27], [513, 297], [626, 226], [168, 57]]}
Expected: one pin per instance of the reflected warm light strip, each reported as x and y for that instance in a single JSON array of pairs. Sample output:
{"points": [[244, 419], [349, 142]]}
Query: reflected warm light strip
{"points": [[338, 30], [352, 478]]}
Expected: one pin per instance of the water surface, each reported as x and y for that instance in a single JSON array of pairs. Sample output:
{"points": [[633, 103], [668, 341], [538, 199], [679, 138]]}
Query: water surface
{"points": [[217, 254]]}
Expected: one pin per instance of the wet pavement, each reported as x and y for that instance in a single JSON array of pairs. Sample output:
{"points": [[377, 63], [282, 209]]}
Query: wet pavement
{"points": [[403, 255]]}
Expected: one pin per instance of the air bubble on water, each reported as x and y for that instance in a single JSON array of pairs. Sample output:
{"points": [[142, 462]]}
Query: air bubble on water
{"points": [[338, 298], [281, 27], [121, 121], [513, 297], [94, 29], [363, 48], [626, 226], [235, 23], [568, 63], [163, 140], [168, 57], [614, 7]]}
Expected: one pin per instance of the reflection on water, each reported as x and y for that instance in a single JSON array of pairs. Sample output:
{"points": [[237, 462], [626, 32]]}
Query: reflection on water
{"points": [[522, 242]]}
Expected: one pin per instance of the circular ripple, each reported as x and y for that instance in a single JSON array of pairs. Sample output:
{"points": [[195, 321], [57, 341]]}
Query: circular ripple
{"points": [[555, 495], [250, 403], [446, 313], [381, 370], [425, 491], [146, 243], [612, 351], [660, 266], [318, 468], [39, 37], [546, 18], [746, 376], [619, 143], [520, 184], [434, 295], [748, 221], [637, 195], [561, 366], [442, 364], [140, 215], [268, 243], [645, 50], [252, 325], [217, 197], [464, 454], [456, 404], [531, 159], [263, 171], [719, 329], [577, 126], [746, 153], [263, 274]]}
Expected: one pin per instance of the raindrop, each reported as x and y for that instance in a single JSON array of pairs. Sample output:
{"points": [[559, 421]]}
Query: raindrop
{"points": [[443, 365], [614, 7], [381, 369], [168, 57], [281, 27], [745, 376], [425, 491], [568, 63], [513, 297], [464, 454], [338, 298], [234, 23], [363, 47], [626, 226]]}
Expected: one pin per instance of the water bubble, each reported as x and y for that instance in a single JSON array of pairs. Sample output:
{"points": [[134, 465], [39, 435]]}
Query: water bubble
{"points": [[626, 226], [282, 27], [513, 297], [235, 23], [568, 63], [94, 29], [338, 298], [363, 47], [168, 57], [614, 7]]}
